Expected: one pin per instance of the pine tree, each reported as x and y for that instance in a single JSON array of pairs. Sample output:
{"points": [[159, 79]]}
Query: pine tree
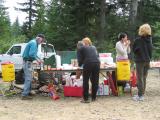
{"points": [[16, 28], [29, 8], [4, 27], [40, 22]]}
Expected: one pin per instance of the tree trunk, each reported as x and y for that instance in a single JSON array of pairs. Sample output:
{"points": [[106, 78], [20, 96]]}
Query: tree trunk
{"points": [[132, 18], [30, 14], [101, 33]]}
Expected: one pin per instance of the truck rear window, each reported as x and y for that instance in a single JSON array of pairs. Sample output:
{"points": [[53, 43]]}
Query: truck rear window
{"points": [[47, 48], [15, 50]]}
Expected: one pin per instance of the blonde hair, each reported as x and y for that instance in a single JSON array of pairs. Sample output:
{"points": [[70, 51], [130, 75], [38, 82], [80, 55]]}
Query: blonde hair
{"points": [[87, 41], [144, 30]]}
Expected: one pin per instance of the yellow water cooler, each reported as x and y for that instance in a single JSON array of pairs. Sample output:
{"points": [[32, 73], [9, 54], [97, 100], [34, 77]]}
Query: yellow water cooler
{"points": [[8, 72]]}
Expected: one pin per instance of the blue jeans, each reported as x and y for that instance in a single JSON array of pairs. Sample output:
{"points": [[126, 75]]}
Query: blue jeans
{"points": [[28, 68]]}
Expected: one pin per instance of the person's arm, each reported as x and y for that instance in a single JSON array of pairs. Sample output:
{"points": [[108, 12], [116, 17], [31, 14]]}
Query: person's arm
{"points": [[33, 51], [135, 47], [151, 47], [80, 56], [128, 46], [128, 49], [96, 51]]}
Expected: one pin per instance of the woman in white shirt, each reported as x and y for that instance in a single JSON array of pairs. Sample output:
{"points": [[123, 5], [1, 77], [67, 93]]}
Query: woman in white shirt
{"points": [[122, 50], [122, 47]]}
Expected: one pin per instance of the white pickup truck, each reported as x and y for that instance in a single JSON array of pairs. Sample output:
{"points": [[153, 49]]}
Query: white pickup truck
{"points": [[14, 54]]}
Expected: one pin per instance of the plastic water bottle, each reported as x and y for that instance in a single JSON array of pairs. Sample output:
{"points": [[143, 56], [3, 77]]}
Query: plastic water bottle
{"points": [[127, 87], [41, 66]]}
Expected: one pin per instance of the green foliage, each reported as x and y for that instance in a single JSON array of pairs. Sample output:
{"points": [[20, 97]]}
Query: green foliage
{"points": [[28, 7], [148, 11], [4, 26], [9, 34], [8, 41], [39, 25], [16, 29], [64, 22], [4, 21], [61, 25], [156, 40]]}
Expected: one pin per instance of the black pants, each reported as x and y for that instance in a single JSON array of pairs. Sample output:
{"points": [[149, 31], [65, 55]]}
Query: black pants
{"points": [[142, 72], [90, 71]]}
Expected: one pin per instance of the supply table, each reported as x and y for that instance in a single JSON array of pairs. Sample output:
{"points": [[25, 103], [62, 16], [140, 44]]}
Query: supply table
{"points": [[108, 72]]}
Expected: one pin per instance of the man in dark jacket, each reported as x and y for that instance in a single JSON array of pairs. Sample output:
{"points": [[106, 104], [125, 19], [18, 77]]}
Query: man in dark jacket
{"points": [[142, 49], [88, 56]]}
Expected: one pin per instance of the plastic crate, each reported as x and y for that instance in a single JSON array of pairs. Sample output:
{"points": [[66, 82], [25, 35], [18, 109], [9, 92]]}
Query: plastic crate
{"points": [[73, 91]]}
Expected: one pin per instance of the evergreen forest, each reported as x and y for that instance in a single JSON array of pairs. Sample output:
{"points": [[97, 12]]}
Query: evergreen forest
{"points": [[65, 22]]}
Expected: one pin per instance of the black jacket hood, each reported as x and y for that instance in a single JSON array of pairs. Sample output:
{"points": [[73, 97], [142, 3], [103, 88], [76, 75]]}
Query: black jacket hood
{"points": [[142, 48], [146, 39]]}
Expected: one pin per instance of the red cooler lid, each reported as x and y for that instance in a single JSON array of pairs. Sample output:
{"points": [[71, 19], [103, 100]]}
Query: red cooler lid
{"points": [[6, 63]]}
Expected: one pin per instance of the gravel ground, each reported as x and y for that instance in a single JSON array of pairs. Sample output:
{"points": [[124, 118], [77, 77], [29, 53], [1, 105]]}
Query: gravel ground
{"points": [[70, 108]]}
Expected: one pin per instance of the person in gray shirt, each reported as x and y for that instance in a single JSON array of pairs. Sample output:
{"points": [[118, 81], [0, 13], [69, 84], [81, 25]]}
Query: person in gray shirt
{"points": [[88, 56]]}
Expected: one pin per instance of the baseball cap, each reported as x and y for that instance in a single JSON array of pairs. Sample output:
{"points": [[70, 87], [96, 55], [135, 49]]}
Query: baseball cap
{"points": [[42, 36]]}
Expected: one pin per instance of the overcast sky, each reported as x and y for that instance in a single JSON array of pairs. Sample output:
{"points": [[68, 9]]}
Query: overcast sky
{"points": [[13, 13]]}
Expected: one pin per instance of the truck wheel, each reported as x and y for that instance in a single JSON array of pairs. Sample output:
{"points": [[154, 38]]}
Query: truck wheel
{"points": [[19, 77]]}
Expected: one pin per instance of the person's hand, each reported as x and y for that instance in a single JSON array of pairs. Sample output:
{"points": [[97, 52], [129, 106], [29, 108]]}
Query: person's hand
{"points": [[78, 68], [40, 61], [127, 43]]}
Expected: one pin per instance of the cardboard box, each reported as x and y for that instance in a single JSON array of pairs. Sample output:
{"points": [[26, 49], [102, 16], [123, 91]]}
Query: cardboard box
{"points": [[103, 89]]}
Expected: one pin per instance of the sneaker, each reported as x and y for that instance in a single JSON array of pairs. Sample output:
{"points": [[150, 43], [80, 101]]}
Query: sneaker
{"points": [[138, 98], [141, 98], [32, 93], [85, 101], [26, 98]]}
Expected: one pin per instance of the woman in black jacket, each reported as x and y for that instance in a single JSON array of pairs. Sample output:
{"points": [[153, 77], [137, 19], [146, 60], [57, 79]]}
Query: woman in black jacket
{"points": [[142, 48], [88, 57]]}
